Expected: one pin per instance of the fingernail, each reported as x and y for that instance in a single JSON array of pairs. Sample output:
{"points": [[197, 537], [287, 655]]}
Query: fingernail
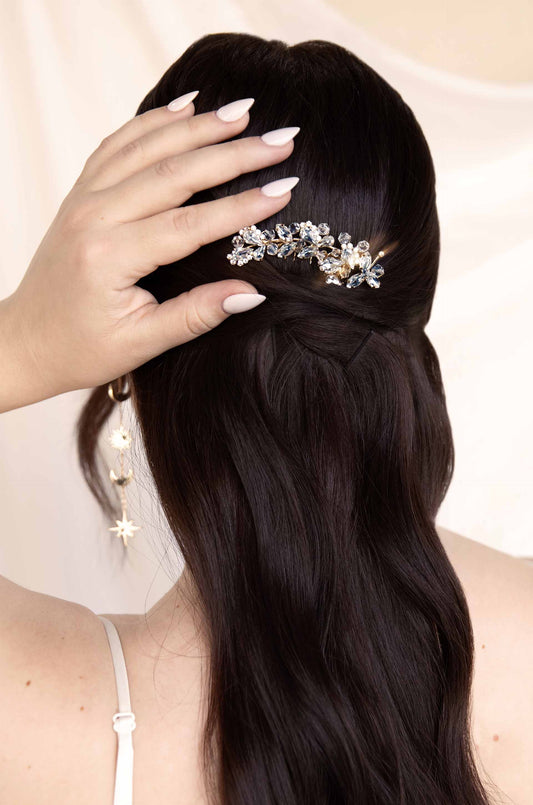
{"points": [[280, 186], [184, 100], [239, 302], [280, 136], [234, 110]]}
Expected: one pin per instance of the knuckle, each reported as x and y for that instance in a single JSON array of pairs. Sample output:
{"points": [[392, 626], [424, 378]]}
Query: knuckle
{"points": [[81, 212], [193, 124], [167, 167], [133, 148], [105, 144], [241, 149], [186, 223], [177, 219], [194, 320], [90, 251]]}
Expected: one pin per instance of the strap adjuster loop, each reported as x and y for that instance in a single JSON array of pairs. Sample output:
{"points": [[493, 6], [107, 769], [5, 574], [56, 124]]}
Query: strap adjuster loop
{"points": [[124, 722]]}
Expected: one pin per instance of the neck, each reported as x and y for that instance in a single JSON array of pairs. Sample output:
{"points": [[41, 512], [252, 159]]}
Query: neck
{"points": [[176, 621]]}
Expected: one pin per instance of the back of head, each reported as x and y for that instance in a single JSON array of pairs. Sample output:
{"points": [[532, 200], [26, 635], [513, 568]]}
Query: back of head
{"points": [[302, 484]]}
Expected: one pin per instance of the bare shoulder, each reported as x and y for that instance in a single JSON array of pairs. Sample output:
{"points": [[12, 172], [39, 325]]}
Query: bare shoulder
{"points": [[496, 584], [499, 592], [36, 626], [469, 552], [53, 658]]}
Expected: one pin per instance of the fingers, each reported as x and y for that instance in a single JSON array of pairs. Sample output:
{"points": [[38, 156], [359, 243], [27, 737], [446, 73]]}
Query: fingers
{"points": [[134, 129], [163, 141], [145, 244], [158, 327], [172, 181]]}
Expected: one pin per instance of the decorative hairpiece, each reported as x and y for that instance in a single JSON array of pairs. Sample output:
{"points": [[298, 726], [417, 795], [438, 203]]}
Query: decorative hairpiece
{"points": [[306, 240]]}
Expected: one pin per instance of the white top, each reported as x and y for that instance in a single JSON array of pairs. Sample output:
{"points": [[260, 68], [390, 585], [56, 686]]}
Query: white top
{"points": [[123, 720]]}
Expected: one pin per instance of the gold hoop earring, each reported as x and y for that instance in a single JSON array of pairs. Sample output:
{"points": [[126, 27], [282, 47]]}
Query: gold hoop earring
{"points": [[121, 440]]}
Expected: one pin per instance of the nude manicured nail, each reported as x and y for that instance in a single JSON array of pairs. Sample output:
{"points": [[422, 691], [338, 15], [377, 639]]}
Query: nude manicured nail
{"points": [[280, 136], [234, 110], [280, 186], [239, 302], [184, 100]]}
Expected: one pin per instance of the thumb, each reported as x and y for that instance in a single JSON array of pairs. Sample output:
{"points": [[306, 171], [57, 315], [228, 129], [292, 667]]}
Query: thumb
{"points": [[182, 318]]}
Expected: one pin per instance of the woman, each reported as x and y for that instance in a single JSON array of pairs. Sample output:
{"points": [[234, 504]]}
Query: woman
{"points": [[318, 647]]}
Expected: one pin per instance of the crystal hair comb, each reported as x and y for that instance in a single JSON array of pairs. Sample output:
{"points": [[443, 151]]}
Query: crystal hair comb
{"points": [[307, 240]]}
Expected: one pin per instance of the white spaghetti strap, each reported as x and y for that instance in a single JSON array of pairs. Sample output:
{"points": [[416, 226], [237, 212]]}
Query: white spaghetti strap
{"points": [[123, 720]]}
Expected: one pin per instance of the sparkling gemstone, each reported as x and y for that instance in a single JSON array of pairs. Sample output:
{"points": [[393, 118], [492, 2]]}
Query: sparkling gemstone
{"points": [[241, 252], [307, 251], [378, 270], [352, 258], [347, 250], [330, 265], [272, 248], [325, 266], [259, 253], [268, 234], [333, 279], [283, 232], [237, 240], [323, 229], [309, 232], [294, 228], [354, 281], [253, 236], [344, 237], [286, 249], [372, 281], [365, 261], [329, 240], [363, 246]]}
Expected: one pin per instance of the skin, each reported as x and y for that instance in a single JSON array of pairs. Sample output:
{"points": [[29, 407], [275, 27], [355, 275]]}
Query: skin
{"points": [[77, 321]]}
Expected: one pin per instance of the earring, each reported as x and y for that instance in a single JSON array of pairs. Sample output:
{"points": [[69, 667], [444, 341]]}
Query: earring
{"points": [[120, 439]]}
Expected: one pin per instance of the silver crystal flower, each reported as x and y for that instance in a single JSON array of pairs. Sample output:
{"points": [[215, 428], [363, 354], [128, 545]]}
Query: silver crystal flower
{"points": [[306, 240]]}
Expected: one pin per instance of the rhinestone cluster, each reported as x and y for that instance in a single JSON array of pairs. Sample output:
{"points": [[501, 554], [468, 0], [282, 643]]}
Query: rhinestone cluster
{"points": [[307, 240]]}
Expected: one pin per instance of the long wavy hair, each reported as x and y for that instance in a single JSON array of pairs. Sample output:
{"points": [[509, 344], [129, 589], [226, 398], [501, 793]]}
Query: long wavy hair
{"points": [[301, 452]]}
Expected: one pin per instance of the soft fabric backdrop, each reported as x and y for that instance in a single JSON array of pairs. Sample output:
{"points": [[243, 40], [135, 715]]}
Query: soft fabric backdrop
{"points": [[72, 72]]}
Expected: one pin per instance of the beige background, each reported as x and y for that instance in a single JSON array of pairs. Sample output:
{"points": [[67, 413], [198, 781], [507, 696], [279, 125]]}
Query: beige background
{"points": [[72, 72]]}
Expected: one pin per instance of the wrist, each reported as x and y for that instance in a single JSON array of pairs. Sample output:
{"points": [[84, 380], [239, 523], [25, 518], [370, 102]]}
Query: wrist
{"points": [[20, 377]]}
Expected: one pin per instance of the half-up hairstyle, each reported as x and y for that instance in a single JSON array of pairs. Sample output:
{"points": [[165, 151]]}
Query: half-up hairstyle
{"points": [[301, 481]]}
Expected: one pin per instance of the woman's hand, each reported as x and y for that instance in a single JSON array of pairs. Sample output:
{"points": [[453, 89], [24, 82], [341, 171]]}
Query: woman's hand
{"points": [[77, 319]]}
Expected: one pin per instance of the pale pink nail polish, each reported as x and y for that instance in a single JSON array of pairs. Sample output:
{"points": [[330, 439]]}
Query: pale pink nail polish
{"points": [[239, 302], [184, 100], [234, 110], [280, 136], [280, 186]]}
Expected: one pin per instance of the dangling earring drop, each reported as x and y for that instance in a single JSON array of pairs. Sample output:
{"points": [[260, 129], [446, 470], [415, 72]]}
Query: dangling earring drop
{"points": [[120, 439]]}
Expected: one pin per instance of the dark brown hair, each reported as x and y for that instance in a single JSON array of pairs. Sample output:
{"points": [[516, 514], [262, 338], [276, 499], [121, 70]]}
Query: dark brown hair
{"points": [[302, 484]]}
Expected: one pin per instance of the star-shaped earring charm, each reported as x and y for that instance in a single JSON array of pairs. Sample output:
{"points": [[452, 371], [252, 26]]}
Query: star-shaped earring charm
{"points": [[125, 528], [120, 439]]}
